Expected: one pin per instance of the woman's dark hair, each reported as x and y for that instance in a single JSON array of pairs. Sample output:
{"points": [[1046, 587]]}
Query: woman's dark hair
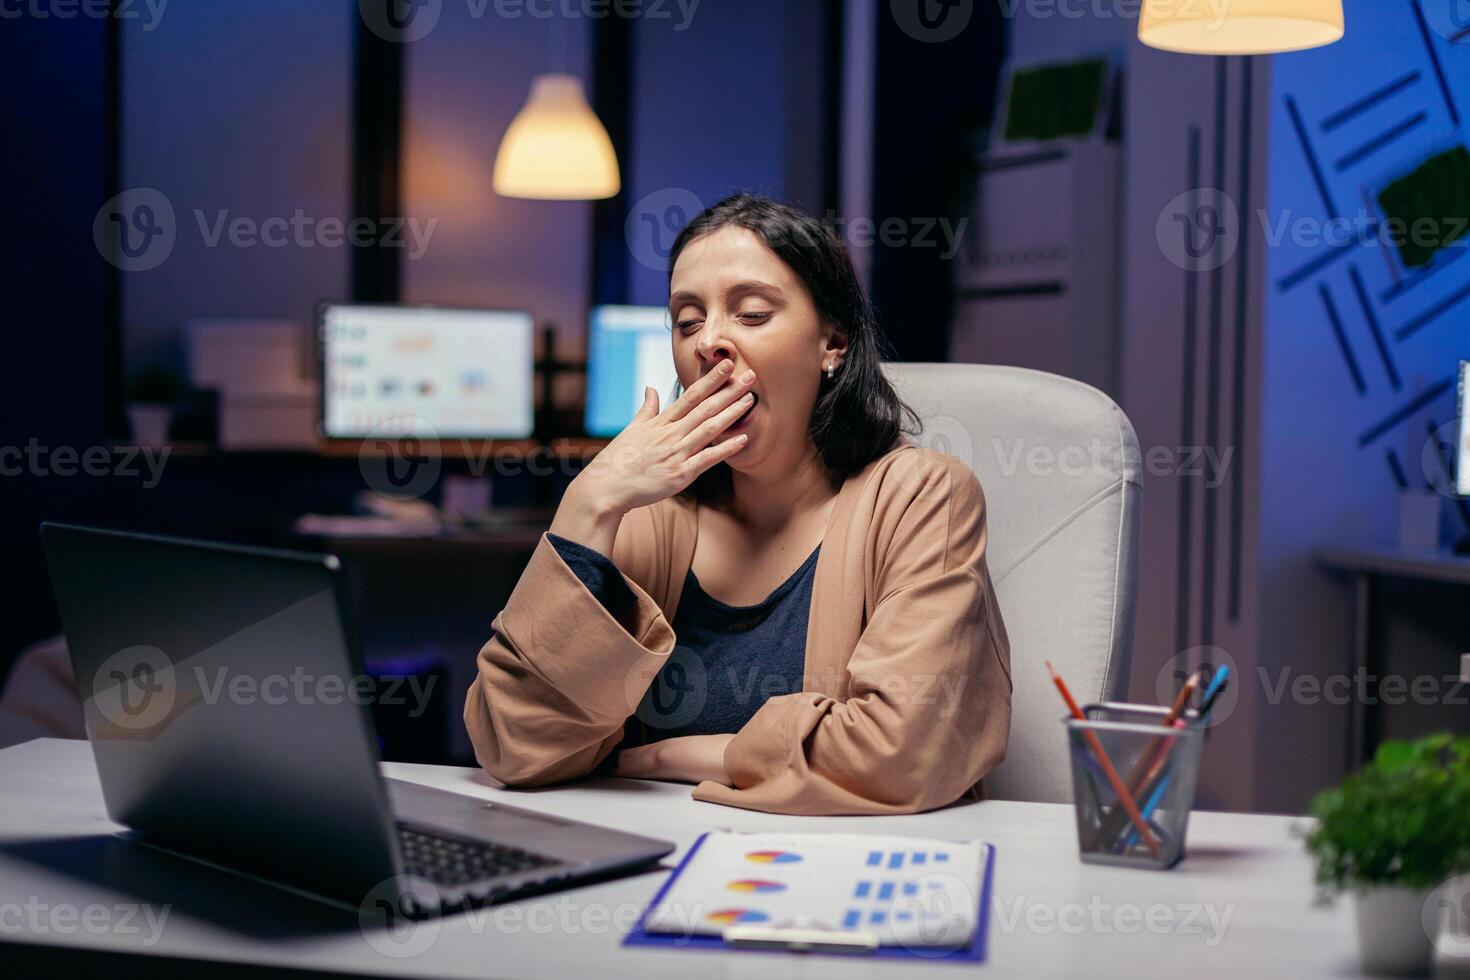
{"points": [[858, 416]]}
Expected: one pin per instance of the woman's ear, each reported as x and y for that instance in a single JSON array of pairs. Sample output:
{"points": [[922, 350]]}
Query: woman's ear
{"points": [[835, 346]]}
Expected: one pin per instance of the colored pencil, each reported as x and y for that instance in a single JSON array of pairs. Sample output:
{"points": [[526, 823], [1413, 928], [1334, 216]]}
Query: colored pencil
{"points": [[1148, 762]]}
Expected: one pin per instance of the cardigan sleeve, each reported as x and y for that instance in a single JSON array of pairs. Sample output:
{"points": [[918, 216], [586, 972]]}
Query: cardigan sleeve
{"points": [[600, 575], [930, 689], [560, 674]]}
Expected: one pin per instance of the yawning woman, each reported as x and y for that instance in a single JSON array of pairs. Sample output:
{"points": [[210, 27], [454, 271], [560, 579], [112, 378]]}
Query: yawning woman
{"points": [[763, 588]]}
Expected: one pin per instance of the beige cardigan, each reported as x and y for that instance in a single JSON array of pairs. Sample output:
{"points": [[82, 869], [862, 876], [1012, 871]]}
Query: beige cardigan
{"points": [[906, 701]]}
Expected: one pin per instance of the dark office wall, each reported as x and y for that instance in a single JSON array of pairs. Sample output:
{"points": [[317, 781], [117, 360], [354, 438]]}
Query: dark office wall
{"points": [[247, 109], [732, 100], [238, 111], [933, 93], [55, 290], [67, 152]]}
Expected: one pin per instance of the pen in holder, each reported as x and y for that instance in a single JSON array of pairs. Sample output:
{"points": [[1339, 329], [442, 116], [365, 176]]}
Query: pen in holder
{"points": [[1156, 765]]}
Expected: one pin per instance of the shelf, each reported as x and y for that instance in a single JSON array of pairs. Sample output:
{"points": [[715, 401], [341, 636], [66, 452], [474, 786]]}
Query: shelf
{"points": [[561, 448]]}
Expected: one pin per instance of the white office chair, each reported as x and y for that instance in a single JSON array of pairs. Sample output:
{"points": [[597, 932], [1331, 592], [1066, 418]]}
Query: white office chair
{"points": [[1058, 461]]}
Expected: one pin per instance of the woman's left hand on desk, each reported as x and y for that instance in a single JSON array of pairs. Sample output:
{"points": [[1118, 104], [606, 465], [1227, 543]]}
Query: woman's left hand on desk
{"points": [[688, 759]]}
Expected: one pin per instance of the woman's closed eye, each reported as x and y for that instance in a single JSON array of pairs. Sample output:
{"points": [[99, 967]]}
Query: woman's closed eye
{"points": [[749, 318]]}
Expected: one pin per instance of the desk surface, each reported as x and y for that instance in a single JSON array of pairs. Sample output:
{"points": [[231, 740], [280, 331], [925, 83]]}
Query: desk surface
{"points": [[1239, 905]]}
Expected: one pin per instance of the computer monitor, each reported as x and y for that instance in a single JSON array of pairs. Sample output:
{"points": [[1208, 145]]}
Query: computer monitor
{"points": [[426, 371], [1462, 444], [628, 347]]}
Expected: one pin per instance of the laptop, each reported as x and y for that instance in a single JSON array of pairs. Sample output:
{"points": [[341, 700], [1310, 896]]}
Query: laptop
{"points": [[230, 718]]}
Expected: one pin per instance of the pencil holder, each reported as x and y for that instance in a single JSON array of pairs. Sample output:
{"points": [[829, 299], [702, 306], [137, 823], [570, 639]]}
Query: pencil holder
{"points": [[1133, 783]]}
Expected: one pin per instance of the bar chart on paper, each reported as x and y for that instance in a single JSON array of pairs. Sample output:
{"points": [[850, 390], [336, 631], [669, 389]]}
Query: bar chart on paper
{"points": [[896, 860], [904, 891]]}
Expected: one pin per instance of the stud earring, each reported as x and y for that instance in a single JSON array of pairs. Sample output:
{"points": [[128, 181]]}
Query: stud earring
{"points": [[831, 370]]}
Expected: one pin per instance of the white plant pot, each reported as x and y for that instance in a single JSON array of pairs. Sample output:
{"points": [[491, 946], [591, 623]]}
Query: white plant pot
{"points": [[1392, 940], [150, 424]]}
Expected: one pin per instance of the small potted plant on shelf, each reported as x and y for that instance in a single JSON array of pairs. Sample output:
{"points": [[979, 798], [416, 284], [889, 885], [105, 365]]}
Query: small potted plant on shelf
{"points": [[152, 394], [1392, 834]]}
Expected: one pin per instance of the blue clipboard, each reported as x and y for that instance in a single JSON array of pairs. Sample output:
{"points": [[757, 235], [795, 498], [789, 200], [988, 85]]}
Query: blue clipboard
{"points": [[971, 952]]}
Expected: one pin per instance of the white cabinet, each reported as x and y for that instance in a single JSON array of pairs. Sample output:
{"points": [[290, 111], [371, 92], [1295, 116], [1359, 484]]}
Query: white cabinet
{"points": [[1038, 280]]}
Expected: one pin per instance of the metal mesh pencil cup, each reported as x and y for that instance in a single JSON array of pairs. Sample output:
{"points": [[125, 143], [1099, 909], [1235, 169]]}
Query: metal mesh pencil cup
{"points": [[1158, 766]]}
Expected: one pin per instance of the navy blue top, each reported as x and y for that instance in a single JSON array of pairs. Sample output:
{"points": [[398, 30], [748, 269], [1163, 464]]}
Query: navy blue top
{"points": [[727, 660]]}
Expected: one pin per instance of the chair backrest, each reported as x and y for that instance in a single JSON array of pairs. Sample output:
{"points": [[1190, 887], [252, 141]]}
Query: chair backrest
{"points": [[1059, 464]]}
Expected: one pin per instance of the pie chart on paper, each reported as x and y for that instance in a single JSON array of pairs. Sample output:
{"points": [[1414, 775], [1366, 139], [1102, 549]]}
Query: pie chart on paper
{"points": [[773, 857], [756, 885], [730, 917]]}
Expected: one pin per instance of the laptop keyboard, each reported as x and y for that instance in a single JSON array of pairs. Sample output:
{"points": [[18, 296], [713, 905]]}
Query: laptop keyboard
{"points": [[459, 861]]}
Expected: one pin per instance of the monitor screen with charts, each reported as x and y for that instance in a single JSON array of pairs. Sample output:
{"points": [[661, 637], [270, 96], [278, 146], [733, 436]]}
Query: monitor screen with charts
{"points": [[429, 372], [1462, 449], [628, 347]]}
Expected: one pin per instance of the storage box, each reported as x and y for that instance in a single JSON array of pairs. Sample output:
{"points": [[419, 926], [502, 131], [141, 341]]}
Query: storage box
{"points": [[237, 356], [269, 420]]}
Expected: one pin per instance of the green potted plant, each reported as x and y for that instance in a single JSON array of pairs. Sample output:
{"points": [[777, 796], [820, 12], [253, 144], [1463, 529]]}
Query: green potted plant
{"points": [[1391, 834], [152, 393]]}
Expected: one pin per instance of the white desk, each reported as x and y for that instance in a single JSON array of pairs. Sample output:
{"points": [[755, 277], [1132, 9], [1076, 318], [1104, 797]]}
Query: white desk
{"points": [[1052, 915]]}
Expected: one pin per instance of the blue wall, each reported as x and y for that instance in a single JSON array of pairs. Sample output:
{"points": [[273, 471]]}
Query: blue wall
{"points": [[1357, 363]]}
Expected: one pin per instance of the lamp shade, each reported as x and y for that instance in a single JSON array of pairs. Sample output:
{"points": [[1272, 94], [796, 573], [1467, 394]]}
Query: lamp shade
{"points": [[556, 148], [1239, 26]]}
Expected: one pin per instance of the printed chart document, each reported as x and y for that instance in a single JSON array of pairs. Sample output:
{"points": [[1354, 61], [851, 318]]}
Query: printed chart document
{"points": [[904, 891]]}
